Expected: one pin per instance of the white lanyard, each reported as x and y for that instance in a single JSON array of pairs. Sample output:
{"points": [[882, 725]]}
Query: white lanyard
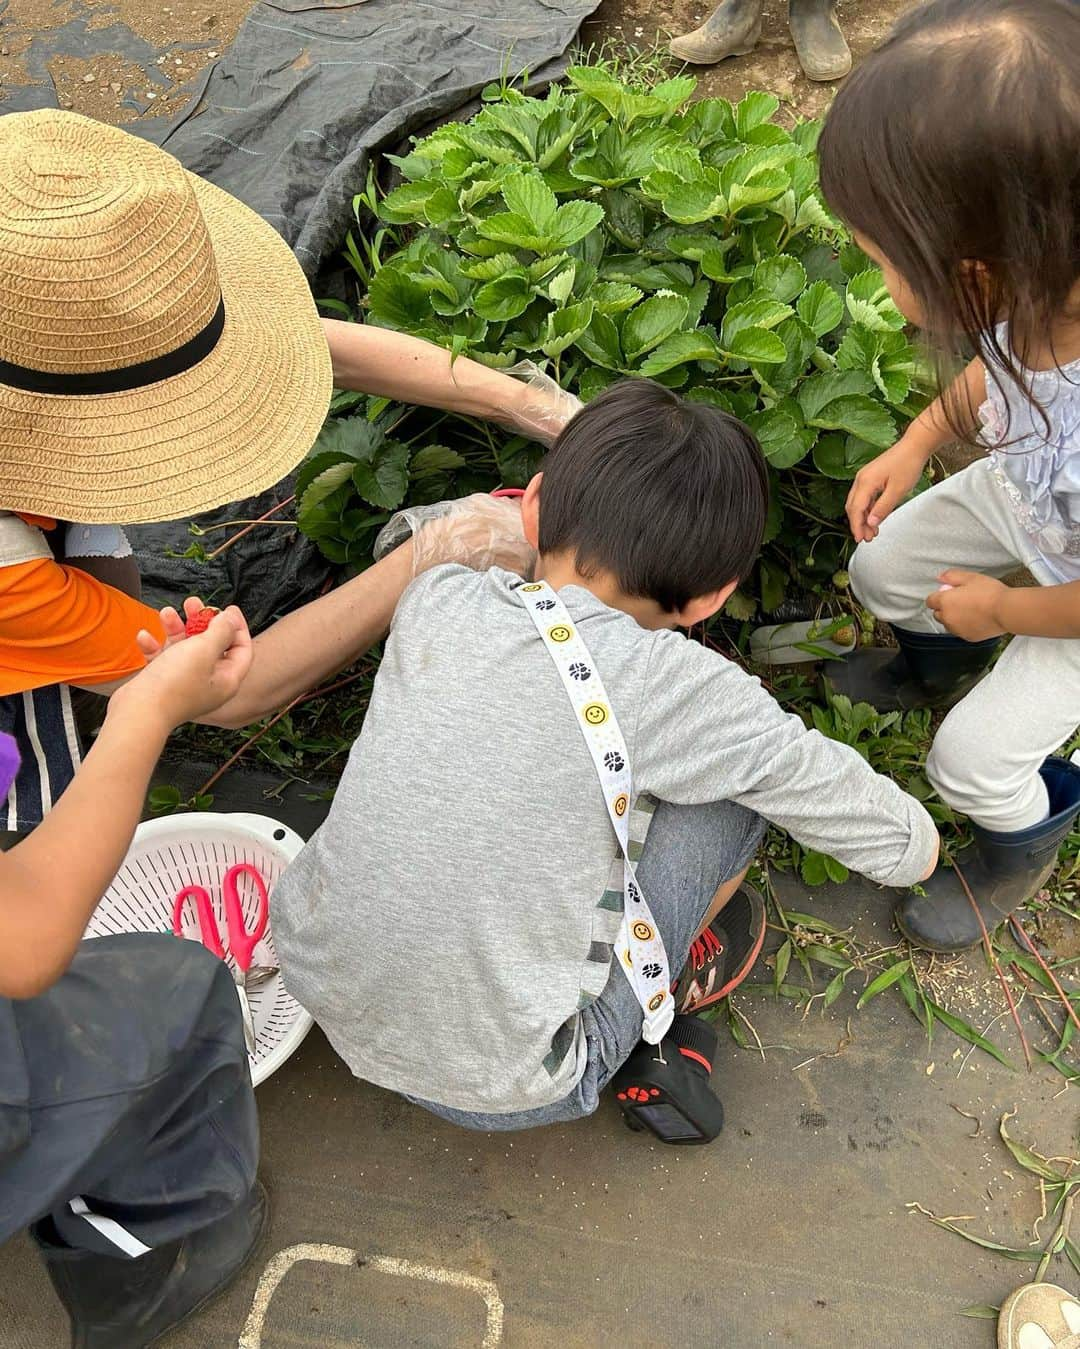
{"points": [[639, 947]]}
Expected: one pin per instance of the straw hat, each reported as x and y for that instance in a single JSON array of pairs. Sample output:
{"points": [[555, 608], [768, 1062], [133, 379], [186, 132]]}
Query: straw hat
{"points": [[160, 352]]}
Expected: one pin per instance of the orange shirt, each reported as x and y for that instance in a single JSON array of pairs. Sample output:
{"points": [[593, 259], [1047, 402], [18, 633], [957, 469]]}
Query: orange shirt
{"points": [[60, 626]]}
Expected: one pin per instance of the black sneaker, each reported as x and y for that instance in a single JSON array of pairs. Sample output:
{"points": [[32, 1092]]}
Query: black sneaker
{"points": [[724, 954]]}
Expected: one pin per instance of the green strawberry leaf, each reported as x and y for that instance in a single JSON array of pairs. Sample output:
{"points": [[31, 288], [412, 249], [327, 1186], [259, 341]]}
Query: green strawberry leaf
{"points": [[528, 196], [817, 391], [649, 323], [600, 342], [782, 276], [505, 298], [680, 349], [385, 480], [435, 459], [820, 308], [859, 415], [565, 327], [573, 222], [756, 345]]}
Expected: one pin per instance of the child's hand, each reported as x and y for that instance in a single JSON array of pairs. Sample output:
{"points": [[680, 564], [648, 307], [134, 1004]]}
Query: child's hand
{"points": [[881, 486], [175, 626], [189, 677], [970, 608]]}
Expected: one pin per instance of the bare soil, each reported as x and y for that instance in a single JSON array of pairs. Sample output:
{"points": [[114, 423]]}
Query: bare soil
{"points": [[188, 35], [103, 82], [773, 66]]}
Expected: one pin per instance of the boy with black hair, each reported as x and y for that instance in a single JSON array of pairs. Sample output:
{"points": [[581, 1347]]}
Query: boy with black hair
{"points": [[452, 925]]}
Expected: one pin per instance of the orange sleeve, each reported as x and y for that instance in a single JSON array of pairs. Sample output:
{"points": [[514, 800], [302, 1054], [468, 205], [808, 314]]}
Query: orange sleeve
{"points": [[60, 626]]}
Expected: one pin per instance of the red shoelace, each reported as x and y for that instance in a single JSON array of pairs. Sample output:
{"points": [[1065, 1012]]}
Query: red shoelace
{"points": [[706, 948]]}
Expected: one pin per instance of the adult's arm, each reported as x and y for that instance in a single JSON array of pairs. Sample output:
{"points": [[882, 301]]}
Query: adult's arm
{"points": [[410, 370]]}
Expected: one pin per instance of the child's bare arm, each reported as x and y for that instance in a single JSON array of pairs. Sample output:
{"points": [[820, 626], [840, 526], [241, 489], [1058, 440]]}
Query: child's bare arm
{"points": [[51, 881], [977, 607], [887, 480]]}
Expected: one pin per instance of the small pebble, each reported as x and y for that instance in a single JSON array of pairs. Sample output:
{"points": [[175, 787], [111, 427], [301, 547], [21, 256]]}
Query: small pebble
{"points": [[4, 51], [88, 79], [178, 62], [115, 88], [211, 55], [150, 94]]}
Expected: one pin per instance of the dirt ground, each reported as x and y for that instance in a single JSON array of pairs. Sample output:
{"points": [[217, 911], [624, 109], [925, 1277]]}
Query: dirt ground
{"points": [[773, 66], [100, 76]]}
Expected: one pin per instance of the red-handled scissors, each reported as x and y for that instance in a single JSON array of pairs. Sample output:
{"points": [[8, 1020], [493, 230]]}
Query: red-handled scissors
{"points": [[242, 943]]}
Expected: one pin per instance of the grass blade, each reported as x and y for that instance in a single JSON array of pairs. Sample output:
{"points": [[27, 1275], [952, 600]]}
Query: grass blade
{"points": [[981, 1311], [968, 1033], [1029, 1160], [916, 1001], [825, 955], [783, 960], [835, 988], [812, 923], [884, 980]]}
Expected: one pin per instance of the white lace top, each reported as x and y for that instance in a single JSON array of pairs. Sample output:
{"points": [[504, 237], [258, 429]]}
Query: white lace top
{"points": [[1039, 471]]}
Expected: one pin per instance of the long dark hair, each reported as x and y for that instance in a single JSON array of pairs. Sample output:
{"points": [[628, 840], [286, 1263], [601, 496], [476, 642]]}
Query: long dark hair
{"points": [[958, 142]]}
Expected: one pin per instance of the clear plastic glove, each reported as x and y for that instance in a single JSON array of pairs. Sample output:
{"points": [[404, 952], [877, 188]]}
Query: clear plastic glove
{"points": [[546, 407], [476, 531]]}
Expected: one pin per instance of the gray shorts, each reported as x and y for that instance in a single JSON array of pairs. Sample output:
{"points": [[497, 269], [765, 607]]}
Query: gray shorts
{"points": [[690, 851]]}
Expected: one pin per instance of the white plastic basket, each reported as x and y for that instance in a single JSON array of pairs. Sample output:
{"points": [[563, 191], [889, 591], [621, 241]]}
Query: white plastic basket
{"points": [[198, 849]]}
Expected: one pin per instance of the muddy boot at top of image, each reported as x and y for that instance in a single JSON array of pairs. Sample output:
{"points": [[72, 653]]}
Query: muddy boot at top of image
{"points": [[734, 28]]}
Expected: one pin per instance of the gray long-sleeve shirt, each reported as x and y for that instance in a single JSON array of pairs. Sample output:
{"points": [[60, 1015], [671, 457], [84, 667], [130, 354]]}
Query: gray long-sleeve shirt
{"points": [[437, 924]]}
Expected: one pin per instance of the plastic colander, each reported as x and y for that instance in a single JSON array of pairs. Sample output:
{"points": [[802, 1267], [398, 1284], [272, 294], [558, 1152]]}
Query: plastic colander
{"points": [[166, 855]]}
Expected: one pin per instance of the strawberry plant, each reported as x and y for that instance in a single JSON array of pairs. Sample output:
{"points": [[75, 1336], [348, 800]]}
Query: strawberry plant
{"points": [[613, 229]]}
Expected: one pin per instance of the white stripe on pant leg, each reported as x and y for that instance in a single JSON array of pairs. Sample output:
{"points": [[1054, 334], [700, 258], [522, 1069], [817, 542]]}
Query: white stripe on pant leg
{"points": [[110, 1229], [39, 754], [74, 748]]}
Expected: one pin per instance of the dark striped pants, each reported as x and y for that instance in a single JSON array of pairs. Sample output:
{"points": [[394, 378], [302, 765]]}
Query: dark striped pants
{"points": [[43, 725]]}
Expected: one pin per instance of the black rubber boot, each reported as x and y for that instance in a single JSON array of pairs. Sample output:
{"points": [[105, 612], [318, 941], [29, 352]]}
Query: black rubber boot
{"points": [[1001, 871], [931, 669], [128, 1304], [732, 30], [823, 51]]}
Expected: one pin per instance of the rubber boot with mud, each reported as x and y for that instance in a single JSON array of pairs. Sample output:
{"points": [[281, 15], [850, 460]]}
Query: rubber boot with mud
{"points": [[823, 51], [732, 30], [129, 1304], [931, 669], [1001, 871]]}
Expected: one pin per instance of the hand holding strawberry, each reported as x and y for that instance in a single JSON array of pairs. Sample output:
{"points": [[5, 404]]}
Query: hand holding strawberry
{"points": [[200, 620]]}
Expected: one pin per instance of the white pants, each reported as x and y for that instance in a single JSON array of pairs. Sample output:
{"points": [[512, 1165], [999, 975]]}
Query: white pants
{"points": [[986, 756]]}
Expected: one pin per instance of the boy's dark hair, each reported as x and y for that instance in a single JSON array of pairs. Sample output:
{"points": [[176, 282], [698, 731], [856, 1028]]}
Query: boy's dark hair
{"points": [[959, 140], [668, 495]]}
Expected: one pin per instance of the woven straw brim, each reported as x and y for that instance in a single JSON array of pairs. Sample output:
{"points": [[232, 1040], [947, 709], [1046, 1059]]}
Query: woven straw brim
{"points": [[231, 427]]}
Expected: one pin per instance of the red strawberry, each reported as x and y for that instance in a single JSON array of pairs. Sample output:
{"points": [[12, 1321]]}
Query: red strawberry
{"points": [[200, 622]]}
